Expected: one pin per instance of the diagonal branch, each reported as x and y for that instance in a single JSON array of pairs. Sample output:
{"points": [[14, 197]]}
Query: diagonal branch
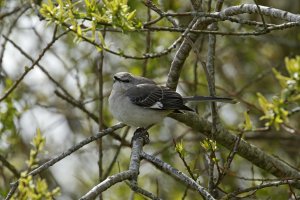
{"points": [[245, 150], [140, 138], [107, 183], [71, 150], [27, 70], [177, 175], [185, 48]]}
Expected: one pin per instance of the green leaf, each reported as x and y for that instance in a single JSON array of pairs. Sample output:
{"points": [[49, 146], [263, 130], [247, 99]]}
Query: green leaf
{"points": [[248, 124], [179, 148], [282, 79], [209, 145]]}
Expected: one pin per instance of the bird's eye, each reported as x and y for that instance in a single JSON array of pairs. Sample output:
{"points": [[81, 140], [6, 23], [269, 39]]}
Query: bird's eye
{"points": [[124, 80]]}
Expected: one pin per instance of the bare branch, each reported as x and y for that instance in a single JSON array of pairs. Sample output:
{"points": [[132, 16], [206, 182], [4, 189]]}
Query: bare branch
{"points": [[246, 150], [139, 139], [27, 70], [183, 51], [71, 150], [9, 166], [261, 186], [107, 183], [177, 175]]}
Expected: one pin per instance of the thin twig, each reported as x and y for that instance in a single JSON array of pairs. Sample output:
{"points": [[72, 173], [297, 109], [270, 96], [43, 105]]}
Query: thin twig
{"points": [[16, 9], [181, 156], [210, 64], [10, 29], [178, 175], [258, 187], [261, 15], [113, 161], [100, 122], [58, 158], [77, 105], [148, 44], [153, 7], [28, 69], [229, 160], [43, 69], [9, 166], [143, 192]]}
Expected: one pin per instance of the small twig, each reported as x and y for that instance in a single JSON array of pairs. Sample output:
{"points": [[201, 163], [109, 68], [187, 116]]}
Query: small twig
{"points": [[100, 62], [181, 54], [292, 192], [258, 187], [153, 7], [229, 160], [177, 175], [169, 143], [112, 163], [255, 79], [185, 193], [27, 70], [261, 15], [10, 29], [43, 69], [148, 44], [77, 105], [181, 156], [9, 166], [141, 191], [16, 9], [121, 54], [71, 150], [264, 179]]}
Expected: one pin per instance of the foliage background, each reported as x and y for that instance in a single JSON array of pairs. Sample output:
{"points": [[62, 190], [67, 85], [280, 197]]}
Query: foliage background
{"points": [[243, 68]]}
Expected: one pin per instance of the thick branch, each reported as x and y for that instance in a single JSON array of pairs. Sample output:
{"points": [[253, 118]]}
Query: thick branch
{"points": [[183, 53], [107, 183], [139, 139], [268, 11], [185, 48], [245, 150]]}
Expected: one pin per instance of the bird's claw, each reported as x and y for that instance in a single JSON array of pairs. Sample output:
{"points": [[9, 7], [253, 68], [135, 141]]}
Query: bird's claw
{"points": [[141, 133]]}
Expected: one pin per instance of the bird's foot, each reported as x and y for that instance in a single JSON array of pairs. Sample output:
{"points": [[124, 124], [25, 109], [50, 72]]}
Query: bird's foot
{"points": [[141, 133]]}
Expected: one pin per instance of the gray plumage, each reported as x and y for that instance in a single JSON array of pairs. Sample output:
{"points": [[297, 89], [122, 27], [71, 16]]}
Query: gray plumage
{"points": [[140, 102]]}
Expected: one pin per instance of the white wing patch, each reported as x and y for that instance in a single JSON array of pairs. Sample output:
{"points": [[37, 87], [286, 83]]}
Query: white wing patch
{"points": [[157, 105]]}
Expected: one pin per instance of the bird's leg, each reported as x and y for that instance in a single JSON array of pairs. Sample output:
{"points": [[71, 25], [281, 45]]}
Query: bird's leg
{"points": [[143, 133]]}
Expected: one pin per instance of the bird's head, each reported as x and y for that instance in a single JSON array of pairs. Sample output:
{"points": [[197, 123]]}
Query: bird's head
{"points": [[125, 80]]}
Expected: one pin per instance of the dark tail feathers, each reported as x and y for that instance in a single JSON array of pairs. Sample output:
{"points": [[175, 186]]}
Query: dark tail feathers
{"points": [[209, 98]]}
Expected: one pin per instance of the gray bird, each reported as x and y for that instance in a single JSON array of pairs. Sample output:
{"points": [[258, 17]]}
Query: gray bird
{"points": [[140, 102]]}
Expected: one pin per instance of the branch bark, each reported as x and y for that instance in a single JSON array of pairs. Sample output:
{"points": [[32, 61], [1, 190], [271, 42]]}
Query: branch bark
{"points": [[177, 175], [245, 149], [185, 48]]}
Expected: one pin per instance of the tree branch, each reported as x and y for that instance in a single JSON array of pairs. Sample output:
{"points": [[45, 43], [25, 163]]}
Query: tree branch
{"points": [[71, 150], [107, 183], [184, 49], [245, 150], [28, 69], [177, 175], [139, 139]]}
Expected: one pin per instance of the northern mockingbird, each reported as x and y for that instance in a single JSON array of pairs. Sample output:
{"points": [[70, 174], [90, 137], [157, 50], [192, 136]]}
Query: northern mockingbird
{"points": [[140, 102]]}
